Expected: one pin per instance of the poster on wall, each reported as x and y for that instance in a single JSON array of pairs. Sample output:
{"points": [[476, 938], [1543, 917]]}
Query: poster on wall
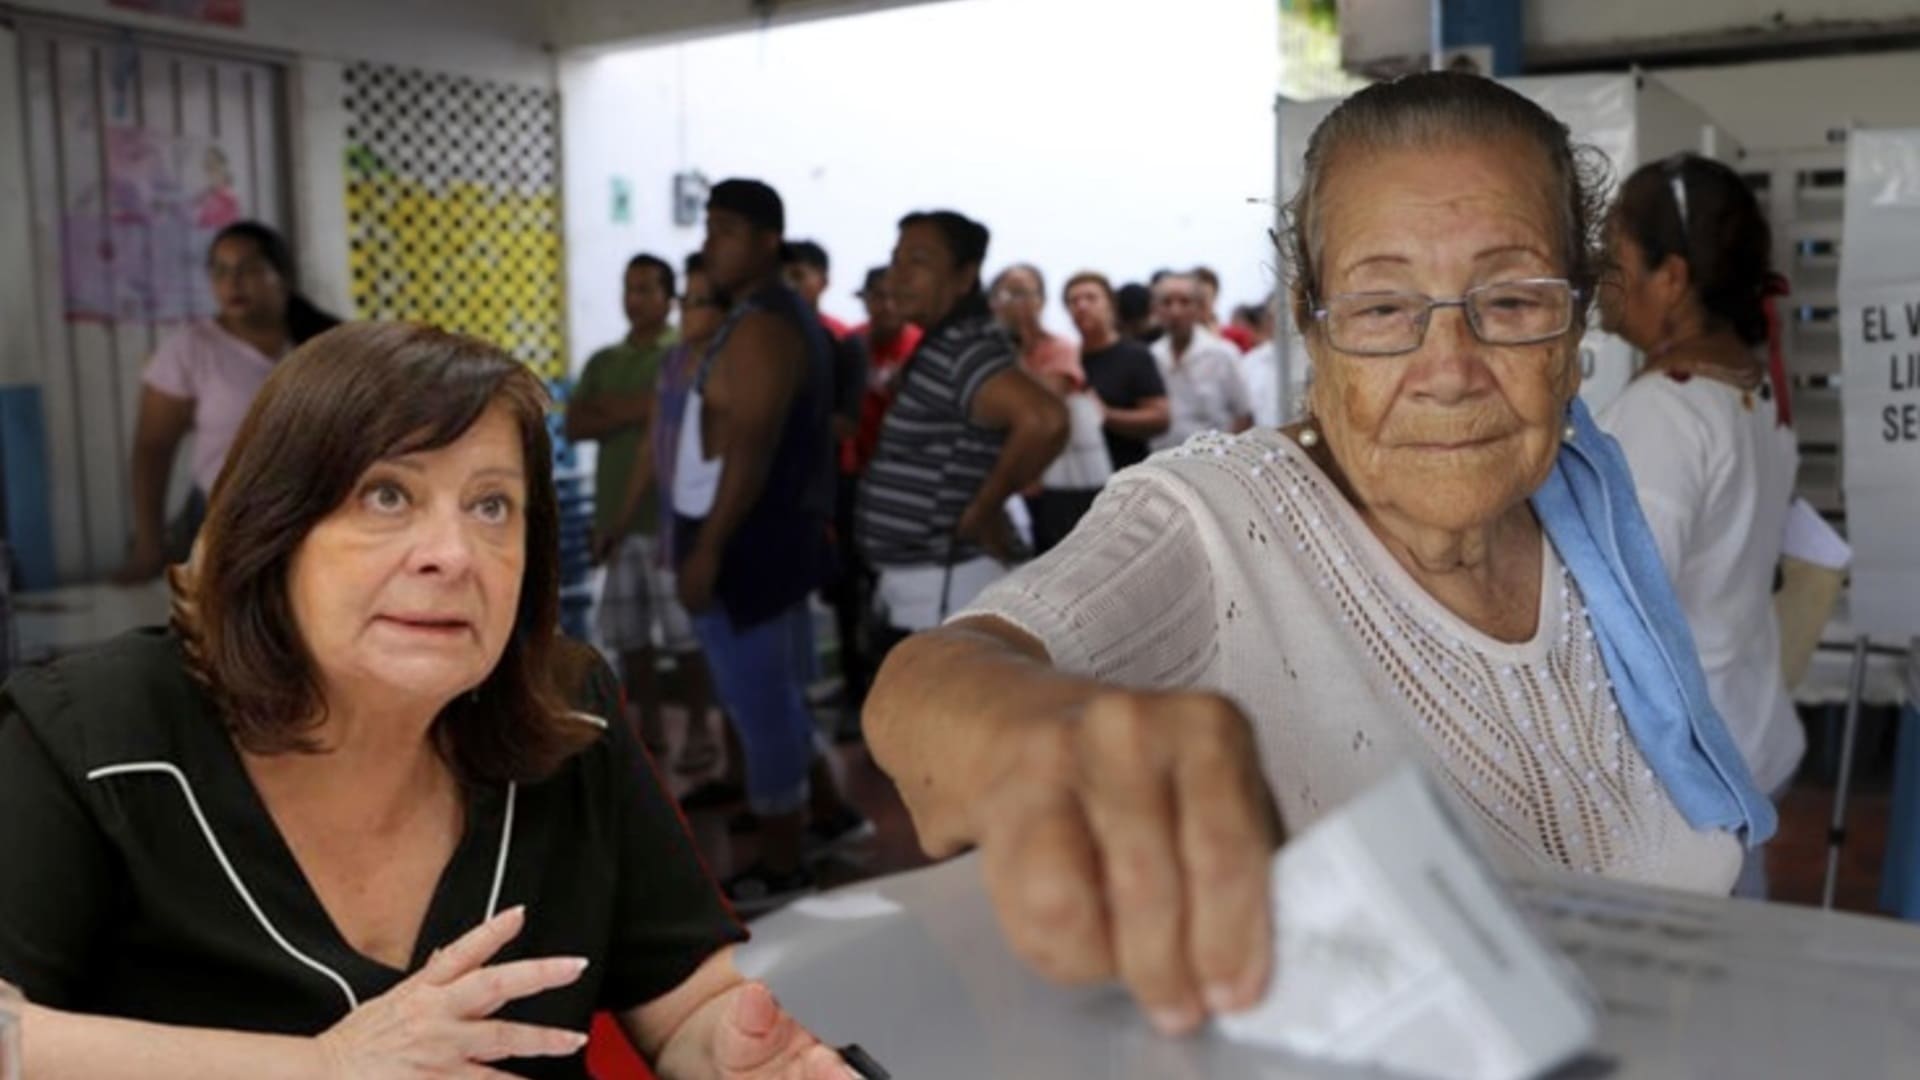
{"points": [[134, 246], [216, 12], [1880, 380]]}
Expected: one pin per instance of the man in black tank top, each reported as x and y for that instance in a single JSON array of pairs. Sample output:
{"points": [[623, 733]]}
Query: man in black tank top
{"points": [[762, 400]]}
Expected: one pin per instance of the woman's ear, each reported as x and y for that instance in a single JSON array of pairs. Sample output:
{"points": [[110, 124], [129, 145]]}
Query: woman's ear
{"points": [[1673, 282]]}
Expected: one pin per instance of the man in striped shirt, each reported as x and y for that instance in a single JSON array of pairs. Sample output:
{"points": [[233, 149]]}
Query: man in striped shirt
{"points": [[967, 429]]}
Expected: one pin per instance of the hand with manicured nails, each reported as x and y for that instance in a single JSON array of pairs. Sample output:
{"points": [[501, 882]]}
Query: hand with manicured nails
{"points": [[438, 1022]]}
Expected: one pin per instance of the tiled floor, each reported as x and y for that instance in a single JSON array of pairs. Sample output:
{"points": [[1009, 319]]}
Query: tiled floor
{"points": [[1797, 858]]}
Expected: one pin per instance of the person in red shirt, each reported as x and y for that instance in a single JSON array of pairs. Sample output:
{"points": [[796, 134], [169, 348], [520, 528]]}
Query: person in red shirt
{"points": [[888, 341]]}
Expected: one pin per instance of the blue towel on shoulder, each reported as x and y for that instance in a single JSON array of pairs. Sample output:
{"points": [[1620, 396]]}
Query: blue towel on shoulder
{"points": [[1591, 514]]}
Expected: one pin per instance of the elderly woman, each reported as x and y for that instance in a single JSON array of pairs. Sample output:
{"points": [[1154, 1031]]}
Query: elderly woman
{"points": [[1708, 437], [338, 820], [1444, 564]]}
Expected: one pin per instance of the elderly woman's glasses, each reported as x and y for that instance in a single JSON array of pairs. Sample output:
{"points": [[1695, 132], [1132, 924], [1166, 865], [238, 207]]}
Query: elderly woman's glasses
{"points": [[1520, 312]]}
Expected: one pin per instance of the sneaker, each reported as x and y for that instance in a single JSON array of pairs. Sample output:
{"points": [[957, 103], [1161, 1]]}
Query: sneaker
{"points": [[843, 829], [755, 891]]}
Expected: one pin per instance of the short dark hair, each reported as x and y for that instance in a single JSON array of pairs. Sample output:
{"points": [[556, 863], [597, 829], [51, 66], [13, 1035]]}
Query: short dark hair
{"points": [[876, 276], [659, 266], [1721, 234], [1090, 277], [1133, 301], [1205, 276], [806, 253], [356, 395], [965, 239], [753, 200]]}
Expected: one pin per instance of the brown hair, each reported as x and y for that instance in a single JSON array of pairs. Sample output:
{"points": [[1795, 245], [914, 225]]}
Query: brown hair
{"points": [[1085, 277], [353, 396], [1721, 234], [1435, 107]]}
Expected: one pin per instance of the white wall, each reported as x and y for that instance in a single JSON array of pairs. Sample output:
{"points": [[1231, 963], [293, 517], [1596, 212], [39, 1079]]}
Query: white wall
{"points": [[1790, 104], [1137, 147], [597, 24], [1567, 24], [495, 39]]}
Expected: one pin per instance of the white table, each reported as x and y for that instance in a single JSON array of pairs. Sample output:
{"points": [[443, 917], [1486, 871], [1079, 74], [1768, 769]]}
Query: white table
{"points": [[914, 969]]}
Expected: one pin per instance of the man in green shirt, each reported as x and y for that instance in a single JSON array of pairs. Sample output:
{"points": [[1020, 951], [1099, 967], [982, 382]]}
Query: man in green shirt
{"points": [[614, 405]]}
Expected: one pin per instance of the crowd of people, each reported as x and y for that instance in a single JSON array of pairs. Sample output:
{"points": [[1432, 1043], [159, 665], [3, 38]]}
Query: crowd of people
{"points": [[1117, 624], [960, 437]]}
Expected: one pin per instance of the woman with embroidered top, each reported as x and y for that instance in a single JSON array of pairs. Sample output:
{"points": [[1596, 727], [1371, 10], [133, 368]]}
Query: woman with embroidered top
{"points": [[1444, 564], [1708, 436], [337, 820], [203, 378]]}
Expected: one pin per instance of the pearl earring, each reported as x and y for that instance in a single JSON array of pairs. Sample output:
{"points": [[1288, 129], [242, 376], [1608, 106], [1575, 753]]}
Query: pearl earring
{"points": [[1567, 433], [1309, 437]]}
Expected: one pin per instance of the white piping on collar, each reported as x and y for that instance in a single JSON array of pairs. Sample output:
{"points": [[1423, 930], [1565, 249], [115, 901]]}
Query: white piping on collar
{"points": [[506, 842], [233, 877], [506, 827]]}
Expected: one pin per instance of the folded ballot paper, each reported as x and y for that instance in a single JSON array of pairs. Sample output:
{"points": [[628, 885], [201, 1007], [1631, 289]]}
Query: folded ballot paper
{"points": [[1399, 948]]}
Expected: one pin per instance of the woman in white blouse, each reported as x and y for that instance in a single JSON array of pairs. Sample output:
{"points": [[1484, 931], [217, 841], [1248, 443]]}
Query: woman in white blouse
{"points": [[1444, 564], [1709, 438]]}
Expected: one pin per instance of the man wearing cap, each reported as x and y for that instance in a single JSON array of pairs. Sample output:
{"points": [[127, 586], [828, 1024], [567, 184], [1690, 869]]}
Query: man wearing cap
{"points": [[967, 429], [753, 498]]}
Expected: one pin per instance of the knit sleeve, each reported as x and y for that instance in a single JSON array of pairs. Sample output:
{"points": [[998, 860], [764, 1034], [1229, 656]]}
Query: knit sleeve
{"points": [[1127, 598]]}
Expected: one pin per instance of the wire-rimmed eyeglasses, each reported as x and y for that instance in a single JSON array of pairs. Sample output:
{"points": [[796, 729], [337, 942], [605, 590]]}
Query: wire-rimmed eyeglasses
{"points": [[1521, 312]]}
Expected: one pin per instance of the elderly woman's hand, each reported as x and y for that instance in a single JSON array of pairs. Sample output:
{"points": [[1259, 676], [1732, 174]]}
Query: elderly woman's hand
{"points": [[1133, 841], [436, 1023]]}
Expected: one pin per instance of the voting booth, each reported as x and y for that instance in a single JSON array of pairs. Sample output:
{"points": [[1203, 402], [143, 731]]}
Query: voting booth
{"points": [[1632, 119], [1880, 381], [1880, 453]]}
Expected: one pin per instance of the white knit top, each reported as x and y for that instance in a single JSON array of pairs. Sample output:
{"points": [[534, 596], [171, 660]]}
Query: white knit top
{"points": [[1234, 564]]}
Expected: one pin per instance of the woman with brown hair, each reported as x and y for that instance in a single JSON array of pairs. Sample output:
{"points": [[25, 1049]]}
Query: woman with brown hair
{"points": [[339, 819]]}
